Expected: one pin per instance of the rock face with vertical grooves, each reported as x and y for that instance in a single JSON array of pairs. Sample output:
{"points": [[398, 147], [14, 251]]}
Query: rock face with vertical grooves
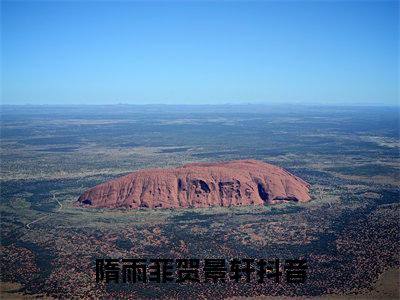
{"points": [[231, 183]]}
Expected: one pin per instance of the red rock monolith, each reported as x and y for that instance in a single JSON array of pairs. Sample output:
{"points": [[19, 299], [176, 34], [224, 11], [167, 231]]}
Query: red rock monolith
{"points": [[231, 183]]}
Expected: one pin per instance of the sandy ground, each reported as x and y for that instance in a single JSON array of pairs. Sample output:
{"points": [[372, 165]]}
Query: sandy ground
{"points": [[386, 287]]}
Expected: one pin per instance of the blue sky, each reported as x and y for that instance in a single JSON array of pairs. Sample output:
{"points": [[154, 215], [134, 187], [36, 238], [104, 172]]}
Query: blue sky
{"points": [[317, 52]]}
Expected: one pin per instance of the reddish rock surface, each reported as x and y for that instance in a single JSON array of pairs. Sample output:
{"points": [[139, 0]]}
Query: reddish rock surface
{"points": [[231, 183]]}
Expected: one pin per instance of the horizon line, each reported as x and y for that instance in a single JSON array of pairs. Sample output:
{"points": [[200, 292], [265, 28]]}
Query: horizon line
{"points": [[212, 104]]}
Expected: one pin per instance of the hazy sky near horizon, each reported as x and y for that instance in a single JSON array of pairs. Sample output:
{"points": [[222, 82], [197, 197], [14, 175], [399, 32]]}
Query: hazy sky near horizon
{"points": [[89, 52]]}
